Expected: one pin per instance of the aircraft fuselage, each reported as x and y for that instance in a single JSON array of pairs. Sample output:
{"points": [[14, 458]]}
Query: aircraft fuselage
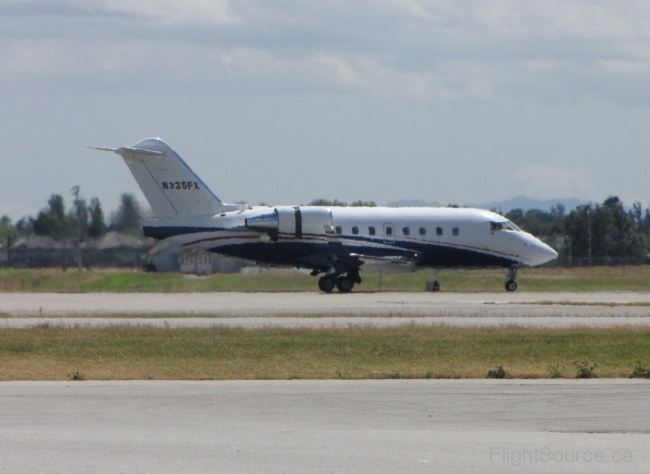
{"points": [[437, 237]]}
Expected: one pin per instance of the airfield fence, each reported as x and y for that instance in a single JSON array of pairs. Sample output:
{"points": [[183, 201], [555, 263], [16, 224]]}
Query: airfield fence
{"points": [[570, 262]]}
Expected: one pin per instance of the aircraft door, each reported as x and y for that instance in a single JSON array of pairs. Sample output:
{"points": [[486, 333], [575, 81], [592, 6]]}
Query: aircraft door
{"points": [[389, 233]]}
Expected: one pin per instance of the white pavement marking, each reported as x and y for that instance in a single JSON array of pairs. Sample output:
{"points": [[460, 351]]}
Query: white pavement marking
{"points": [[595, 426]]}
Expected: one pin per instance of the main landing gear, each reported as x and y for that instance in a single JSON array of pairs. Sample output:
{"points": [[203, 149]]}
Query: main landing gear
{"points": [[511, 284], [344, 283]]}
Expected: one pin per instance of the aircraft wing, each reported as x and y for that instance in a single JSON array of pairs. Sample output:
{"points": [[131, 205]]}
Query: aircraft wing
{"points": [[389, 258]]}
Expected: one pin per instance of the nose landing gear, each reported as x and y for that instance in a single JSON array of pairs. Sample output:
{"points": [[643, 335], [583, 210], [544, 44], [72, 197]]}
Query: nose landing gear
{"points": [[511, 284]]}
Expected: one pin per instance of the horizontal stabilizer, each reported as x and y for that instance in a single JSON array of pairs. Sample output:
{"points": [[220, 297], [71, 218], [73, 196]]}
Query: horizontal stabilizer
{"points": [[124, 149]]}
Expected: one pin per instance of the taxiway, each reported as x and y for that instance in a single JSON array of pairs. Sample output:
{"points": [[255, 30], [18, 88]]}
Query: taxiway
{"points": [[318, 309], [326, 426]]}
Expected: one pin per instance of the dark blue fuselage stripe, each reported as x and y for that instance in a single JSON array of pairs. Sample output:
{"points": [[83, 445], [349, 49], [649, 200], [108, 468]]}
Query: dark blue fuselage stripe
{"points": [[318, 255]]}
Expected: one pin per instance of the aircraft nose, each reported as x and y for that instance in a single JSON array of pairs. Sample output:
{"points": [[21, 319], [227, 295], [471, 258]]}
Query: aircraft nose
{"points": [[543, 253]]}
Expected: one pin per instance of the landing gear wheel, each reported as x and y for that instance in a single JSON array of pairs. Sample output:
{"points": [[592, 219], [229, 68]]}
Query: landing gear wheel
{"points": [[511, 285], [326, 284], [344, 284], [433, 285]]}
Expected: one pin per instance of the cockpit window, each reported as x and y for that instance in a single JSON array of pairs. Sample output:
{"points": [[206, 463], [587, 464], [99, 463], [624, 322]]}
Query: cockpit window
{"points": [[505, 225], [514, 226]]}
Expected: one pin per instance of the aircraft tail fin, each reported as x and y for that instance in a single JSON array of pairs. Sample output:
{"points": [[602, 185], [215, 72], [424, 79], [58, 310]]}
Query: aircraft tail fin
{"points": [[169, 185]]}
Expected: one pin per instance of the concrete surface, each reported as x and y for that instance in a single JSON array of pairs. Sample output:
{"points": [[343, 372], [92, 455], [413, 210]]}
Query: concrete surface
{"points": [[591, 426], [253, 309]]}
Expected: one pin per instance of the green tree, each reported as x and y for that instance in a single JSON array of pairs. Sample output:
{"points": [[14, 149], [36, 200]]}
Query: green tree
{"points": [[25, 226], [327, 203], [607, 230], [538, 222], [517, 216], [97, 226], [128, 218], [636, 215], [8, 232], [57, 207], [52, 221], [360, 203]]}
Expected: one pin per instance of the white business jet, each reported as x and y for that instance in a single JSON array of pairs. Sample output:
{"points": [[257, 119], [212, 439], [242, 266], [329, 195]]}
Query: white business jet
{"points": [[332, 242]]}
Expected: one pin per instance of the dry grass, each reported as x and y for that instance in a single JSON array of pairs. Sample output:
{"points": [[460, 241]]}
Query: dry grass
{"points": [[141, 352]]}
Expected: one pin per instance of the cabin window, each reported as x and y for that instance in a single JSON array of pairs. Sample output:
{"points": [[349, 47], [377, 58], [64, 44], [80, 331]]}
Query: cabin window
{"points": [[339, 229], [406, 231], [355, 230], [371, 230], [389, 231], [423, 231], [455, 231], [438, 230]]}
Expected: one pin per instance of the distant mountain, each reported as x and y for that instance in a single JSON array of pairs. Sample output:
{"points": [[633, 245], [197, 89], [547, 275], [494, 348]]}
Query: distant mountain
{"points": [[519, 202], [525, 203]]}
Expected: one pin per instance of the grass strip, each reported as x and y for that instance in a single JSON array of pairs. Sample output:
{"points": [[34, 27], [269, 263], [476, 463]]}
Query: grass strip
{"points": [[61, 318], [631, 278], [218, 353]]}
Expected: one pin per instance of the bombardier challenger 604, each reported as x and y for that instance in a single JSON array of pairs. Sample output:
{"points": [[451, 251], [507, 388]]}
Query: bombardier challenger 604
{"points": [[333, 243]]}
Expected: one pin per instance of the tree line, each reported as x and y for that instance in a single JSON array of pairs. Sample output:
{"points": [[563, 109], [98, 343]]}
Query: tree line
{"points": [[81, 221], [337, 203], [599, 232], [87, 219]]}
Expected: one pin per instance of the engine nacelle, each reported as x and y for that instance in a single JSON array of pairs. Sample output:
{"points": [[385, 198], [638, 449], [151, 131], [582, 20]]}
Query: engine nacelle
{"points": [[293, 222]]}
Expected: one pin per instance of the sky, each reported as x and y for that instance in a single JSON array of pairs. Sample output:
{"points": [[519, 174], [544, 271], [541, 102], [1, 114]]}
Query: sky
{"points": [[283, 102]]}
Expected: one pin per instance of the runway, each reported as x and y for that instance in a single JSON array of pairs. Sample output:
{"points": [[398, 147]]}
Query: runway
{"points": [[326, 426], [318, 309]]}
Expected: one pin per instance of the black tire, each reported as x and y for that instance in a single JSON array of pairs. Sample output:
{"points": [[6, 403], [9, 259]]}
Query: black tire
{"points": [[326, 284], [511, 285], [344, 284]]}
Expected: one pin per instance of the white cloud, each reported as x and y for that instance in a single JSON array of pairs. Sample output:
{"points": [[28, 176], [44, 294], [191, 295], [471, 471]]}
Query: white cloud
{"points": [[176, 12], [428, 50]]}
